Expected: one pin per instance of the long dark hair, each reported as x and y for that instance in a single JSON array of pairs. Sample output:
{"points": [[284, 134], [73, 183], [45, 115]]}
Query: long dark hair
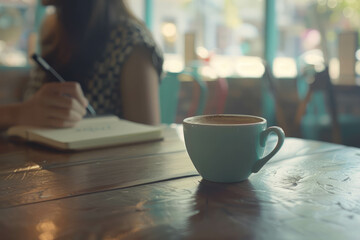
{"points": [[81, 30]]}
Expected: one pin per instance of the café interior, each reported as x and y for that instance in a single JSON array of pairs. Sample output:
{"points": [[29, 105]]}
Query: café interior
{"points": [[294, 62]]}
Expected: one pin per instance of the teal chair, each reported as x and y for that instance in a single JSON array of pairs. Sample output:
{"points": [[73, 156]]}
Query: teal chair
{"points": [[348, 103], [318, 109], [169, 97], [200, 89], [331, 111], [170, 90], [317, 113], [313, 116]]}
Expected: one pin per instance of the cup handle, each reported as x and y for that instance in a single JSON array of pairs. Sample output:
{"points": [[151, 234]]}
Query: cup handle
{"points": [[281, 137]]}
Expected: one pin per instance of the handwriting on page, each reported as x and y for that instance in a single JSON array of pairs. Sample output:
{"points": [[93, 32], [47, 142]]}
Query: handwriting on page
{"points": [[99, 128]]}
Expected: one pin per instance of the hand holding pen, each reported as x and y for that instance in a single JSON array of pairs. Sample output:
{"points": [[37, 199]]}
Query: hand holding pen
{"points": [[46, 67], [52, 107], [55, 104]]}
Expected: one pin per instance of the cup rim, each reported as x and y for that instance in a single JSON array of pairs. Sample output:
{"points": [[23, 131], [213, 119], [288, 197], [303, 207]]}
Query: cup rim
{"points": [[188, 119]]}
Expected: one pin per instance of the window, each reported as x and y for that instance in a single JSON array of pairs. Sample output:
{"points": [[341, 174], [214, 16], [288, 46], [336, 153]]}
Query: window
{"points": [[314, 32], [17, 23], [218, 30]]}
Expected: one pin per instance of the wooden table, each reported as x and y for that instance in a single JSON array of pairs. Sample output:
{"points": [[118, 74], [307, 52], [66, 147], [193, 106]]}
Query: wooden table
{"points": [[309, 190]]}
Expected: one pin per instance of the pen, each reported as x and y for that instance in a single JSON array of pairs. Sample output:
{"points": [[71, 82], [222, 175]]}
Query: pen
{"points": [[44, 65]]}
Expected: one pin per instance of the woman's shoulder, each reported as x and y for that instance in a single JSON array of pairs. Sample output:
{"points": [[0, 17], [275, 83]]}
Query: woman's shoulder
{"points": [[127, 36], [132, 31]]}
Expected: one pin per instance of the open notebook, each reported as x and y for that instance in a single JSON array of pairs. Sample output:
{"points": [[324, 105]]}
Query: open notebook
{"points": [[90, 133]]}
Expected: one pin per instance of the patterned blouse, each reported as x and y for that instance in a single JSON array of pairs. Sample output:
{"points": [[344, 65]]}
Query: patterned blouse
{"points": [[102, 84]]}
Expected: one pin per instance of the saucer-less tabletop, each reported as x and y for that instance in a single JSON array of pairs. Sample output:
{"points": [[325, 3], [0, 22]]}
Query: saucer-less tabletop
{"points": [[309, 190]]}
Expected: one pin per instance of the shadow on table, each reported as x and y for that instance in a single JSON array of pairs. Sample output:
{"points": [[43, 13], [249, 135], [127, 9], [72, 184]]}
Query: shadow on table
{"points": [[224, 211]]}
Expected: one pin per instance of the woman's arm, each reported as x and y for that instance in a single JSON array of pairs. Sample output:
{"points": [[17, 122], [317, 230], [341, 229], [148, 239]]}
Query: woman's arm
{"points": [[140, 88], [54, 105], [8, 115]]}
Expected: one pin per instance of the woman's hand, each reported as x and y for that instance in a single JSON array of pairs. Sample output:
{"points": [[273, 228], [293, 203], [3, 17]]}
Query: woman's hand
{"points": [[54, 105]]}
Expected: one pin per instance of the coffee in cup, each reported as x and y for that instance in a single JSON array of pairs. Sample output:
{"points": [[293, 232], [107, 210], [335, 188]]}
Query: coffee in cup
{"points": [[228, 147]]}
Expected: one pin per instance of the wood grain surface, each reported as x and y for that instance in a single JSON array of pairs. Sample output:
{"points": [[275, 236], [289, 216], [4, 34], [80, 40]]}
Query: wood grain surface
{"points": [[309, 190]]}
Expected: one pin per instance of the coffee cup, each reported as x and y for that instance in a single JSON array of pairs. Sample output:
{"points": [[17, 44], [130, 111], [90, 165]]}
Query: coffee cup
{"points": [[229, 147]]}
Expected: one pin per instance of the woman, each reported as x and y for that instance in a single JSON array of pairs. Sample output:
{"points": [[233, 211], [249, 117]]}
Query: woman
{"points": [[101, 45]]}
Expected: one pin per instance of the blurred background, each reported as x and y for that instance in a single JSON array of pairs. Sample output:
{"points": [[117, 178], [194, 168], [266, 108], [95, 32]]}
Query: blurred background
{"points": [[294, 62]]}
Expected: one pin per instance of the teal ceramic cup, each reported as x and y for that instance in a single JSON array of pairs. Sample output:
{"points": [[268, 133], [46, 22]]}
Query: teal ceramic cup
{"points": [[228, 147]]}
